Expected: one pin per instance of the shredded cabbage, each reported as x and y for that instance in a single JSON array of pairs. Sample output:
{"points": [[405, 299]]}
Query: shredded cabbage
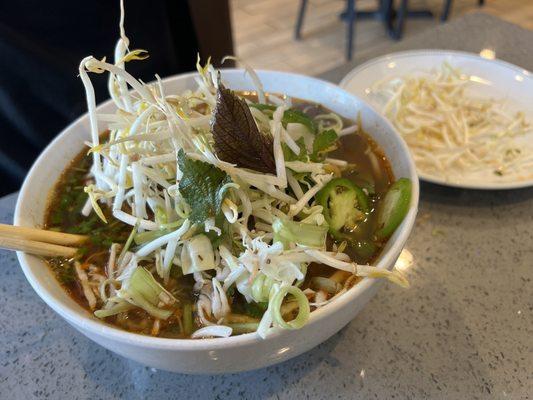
{"points": [[197, 255]]}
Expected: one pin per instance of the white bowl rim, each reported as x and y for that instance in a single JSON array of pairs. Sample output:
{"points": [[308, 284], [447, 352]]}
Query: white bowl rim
{"points": [[145, 341]]}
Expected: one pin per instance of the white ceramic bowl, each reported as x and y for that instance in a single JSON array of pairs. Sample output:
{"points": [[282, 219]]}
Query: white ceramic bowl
{"points": [[237, 353]]}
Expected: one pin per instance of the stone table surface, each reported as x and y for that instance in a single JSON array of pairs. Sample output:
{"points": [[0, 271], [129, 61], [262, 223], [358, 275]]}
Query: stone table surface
{"points": [[463, 331]]}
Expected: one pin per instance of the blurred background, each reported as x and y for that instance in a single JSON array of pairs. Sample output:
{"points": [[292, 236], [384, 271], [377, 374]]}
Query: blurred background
{"points": [[263, 30], [42, 43]]}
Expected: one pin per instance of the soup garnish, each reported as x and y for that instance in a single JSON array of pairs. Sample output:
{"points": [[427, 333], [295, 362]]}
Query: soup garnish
{"points": [[214, 213]]}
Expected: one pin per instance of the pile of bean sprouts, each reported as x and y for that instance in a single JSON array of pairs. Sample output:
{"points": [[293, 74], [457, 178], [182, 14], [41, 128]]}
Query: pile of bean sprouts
{"points": [[453, 134]]}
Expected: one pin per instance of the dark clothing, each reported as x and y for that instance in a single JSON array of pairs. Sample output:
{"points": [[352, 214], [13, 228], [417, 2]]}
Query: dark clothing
{"points": [[41, 45]]}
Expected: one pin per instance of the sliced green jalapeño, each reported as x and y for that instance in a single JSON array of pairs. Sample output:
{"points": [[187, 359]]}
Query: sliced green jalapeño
{"points": [[344, 205], [393, 208]]}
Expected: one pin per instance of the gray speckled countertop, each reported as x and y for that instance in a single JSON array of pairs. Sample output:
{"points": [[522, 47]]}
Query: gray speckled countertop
{"points": [[463, 331]]}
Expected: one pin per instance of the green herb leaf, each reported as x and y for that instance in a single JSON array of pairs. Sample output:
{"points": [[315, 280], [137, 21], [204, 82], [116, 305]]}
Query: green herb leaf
{"points": [[324, 142], [255, 310], [64, 271], [222, 223], [289, 155], [296, 116], [237, 138], [231, 291], [201, 186], [289, 116]]}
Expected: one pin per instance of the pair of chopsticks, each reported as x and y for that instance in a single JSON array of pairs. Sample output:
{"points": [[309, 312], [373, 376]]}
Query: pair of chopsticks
{"points": [[39, 241]]}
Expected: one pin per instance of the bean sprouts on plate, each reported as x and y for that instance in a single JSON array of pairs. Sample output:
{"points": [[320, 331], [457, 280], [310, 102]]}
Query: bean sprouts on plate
{"points": [[453, 133]]}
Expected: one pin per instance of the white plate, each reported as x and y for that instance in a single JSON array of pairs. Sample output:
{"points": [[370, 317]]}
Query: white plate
{"points": [[497, 79]]}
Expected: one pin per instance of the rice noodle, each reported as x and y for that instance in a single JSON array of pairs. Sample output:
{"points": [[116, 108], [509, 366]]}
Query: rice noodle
{"points": [[212, 331], [84, 281]]}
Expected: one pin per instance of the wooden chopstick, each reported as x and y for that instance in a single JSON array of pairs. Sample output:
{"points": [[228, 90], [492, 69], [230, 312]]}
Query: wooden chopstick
{"points": [[41, 235], [39, 241], [37, 248]]}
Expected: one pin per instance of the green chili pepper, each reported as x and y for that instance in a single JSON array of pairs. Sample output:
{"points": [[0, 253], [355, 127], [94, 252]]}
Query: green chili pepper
{"points": [[344, 205], [393, 208]]}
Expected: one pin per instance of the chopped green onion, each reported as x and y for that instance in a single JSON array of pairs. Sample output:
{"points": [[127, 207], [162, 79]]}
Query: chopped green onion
{"points": [[117, 309], [187, 319], [244, 327], [303, 308], [154, 311], [287, 231], [261, 288], [146, 293]]}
